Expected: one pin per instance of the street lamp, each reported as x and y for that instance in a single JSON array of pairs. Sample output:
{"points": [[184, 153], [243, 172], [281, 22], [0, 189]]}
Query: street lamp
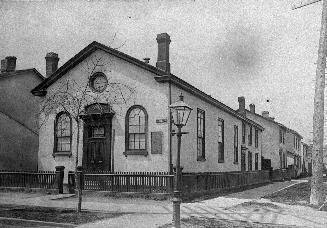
{"points": [[180, 113]]}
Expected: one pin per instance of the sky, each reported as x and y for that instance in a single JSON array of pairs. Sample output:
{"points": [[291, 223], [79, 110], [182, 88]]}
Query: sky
{"points": [[262, 50]]}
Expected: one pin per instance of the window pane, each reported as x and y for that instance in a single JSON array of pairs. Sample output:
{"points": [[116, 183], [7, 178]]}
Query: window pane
{"points": [[133, 129], [63, 133], [63, 125], [136, 129], [142, 145], [142, 129], [98, 131], [63, 144]]}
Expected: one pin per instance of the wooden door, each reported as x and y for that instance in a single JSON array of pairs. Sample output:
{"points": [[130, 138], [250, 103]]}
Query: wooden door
{"points": [[97, 156]]}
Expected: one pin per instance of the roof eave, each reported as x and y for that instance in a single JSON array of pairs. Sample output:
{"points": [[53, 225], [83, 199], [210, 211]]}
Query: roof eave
{"points": [[79, 57], [191, 89]]}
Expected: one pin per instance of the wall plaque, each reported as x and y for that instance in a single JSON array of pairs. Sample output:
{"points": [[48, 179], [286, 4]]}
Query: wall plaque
{"points": [[156, 142]]}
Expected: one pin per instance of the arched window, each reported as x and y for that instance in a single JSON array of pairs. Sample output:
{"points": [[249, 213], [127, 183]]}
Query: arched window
{"points": [[136, 130], [63, 133]]}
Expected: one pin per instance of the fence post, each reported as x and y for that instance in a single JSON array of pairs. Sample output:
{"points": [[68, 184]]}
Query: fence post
{"points": [[60, 178], [71, 182]]}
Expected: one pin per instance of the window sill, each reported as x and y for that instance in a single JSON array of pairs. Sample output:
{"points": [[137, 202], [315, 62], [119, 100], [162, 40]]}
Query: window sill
{"points": [[136, 152], [62, 153], [201, 159], [221, 161]]}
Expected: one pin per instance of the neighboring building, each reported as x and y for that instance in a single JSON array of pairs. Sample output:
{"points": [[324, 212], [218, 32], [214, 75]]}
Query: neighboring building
{"points": [[293, 149], [306, 152], [137, 136], [278, 145], [272, 137], [18, 116]]}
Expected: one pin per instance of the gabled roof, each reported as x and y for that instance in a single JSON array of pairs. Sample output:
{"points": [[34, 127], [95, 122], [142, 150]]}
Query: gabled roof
{"points": [[162, 77], [19, 72], [79, 57], [275, 122]]}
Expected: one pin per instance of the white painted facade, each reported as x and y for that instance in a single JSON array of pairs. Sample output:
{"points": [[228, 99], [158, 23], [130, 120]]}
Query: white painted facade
{"points": [[154, 96]]}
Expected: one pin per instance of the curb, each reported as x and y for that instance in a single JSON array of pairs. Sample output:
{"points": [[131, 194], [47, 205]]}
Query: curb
{"points": [[54, 224], [254, 222], [282, 189]]}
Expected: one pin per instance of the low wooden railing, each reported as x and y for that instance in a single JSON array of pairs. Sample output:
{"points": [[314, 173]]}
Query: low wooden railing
{"points": [[28, 179], [144, 182]]}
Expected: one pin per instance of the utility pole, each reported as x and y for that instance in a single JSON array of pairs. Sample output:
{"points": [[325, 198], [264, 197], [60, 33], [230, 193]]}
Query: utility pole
{"points": [[317, 196]]}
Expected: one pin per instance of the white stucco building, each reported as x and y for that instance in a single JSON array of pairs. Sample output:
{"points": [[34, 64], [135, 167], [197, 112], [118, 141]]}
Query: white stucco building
{"points": [[280, 144], [126, 120]]}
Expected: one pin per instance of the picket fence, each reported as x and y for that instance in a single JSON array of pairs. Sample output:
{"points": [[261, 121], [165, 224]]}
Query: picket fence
{"points": [[218, 181], [28, 179], [145, 182]]}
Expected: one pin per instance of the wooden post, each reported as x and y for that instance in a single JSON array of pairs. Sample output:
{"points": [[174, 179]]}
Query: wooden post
{"points": [[60, 178], [71, 182], [316, 197]]}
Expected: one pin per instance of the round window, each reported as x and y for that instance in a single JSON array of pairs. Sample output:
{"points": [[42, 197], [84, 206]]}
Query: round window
{"points": [[98, 82]]}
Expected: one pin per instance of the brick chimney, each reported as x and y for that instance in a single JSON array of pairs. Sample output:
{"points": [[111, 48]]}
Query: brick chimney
{"points": [[3, 65], [51, 60], [163, 40], [265, 114], [241, 105], [8, 64], [252, 108]]}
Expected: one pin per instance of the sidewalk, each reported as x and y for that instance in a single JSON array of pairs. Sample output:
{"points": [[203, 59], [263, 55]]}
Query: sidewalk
{"points": [[245, 206]]}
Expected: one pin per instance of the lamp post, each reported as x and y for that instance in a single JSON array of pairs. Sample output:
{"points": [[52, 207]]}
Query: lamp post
{"points": [[180, 113]]}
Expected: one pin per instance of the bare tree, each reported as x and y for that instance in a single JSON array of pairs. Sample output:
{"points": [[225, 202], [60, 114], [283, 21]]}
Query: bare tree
{"points": [[72, 97]]}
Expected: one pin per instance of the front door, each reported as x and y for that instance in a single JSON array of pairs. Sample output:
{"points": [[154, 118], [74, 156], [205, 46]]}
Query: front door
{"points": [[97, 138], [97, 156], [243, 165]]}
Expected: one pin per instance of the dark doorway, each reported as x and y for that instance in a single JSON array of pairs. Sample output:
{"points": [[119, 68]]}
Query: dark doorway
{"points": [[243, 165], [97, 138]]}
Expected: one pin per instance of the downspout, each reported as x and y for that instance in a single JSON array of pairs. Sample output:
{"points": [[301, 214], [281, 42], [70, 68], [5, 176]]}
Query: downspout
{"points": [[170, 165]]}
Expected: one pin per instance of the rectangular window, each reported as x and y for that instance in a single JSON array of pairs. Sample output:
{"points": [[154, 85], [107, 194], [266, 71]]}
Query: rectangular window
{"points": [[201, 134], [256, 138], [294, 142], [280, 136], [256, 161], [243, 132], [235, 144], [284, 161], [283, 137], [249, 161], [250, 135], [97, 132], [220, 140]]}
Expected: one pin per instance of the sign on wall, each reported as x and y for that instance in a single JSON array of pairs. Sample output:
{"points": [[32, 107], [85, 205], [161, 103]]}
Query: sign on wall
{"points": [[160, 121], [156, 142]]}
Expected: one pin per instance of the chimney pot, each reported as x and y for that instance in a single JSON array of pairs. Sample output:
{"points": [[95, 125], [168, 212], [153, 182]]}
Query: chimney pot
{"points": [[163, 41], [241, 105], [51, 60], [10, 62], [252, 108], [265, 114]]}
